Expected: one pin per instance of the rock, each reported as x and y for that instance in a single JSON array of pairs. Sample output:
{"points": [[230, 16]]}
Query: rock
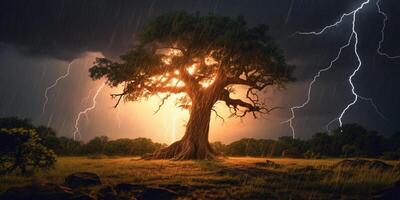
{"points": [[44, 191], [107, 193], [392, 193], [377, 164], [156, 193], [178, 188], [396, 167], [80, 179], [359, 163], [129, 190], [128, 187], [81, 196]]}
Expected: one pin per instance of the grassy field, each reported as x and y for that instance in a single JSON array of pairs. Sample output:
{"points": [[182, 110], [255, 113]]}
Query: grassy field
{"points": [[235, 178]]}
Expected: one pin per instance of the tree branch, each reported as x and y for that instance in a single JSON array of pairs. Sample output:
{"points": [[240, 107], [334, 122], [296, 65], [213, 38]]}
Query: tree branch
{"points": [[255, 84], [253, 107], [120, 96], [217, 115], [166, 89]]}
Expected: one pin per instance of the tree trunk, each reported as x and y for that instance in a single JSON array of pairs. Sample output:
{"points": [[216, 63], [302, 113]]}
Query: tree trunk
{"points": [[194, 144]]}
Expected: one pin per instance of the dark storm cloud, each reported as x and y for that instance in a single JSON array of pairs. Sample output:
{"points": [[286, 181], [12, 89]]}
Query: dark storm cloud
{"points": [[66, 28]]}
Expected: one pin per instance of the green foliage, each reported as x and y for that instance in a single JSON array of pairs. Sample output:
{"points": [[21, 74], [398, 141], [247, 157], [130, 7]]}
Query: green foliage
{"points": [[349, 150], [47, 135], [103, 146], [321, 143], [137, 147], [311, 155], [219, 147], [96, 145], [391, 155], [351, 140], [21, 150], [243, 55], [68, 146], [15, 122], [251, 147]]}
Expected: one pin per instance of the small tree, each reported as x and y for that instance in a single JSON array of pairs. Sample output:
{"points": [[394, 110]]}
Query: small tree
{"points": [[350, 150], [46, 134], [21, 150], [203, 58]]}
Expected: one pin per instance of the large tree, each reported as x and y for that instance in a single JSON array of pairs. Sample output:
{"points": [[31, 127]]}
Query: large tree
{"points": [[203, 58]]}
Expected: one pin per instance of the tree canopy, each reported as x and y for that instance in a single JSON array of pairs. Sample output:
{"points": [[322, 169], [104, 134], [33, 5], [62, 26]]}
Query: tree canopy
{"points": [[183, 53]]}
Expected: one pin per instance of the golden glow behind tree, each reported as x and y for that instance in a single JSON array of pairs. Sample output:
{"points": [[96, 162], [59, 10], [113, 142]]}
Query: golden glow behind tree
{"points": [[202, 58]]}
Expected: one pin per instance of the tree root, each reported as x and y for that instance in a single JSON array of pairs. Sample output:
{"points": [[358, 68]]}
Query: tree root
{"points": [[183, 150]]}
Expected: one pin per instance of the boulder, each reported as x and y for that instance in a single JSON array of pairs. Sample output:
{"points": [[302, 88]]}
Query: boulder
{"points": [[106, 193], [44, 191], [396, 167], [128, 187], [156, 193], [80, 179], [178, 188], [377, 164], [392, 193]]}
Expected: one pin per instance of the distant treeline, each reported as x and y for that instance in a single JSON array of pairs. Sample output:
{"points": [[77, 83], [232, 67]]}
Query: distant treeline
{"points": [[351, 140], [68, 146]]}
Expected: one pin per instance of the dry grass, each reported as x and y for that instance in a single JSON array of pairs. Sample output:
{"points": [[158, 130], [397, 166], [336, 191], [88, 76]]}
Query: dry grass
{"points": [[237, 178]]}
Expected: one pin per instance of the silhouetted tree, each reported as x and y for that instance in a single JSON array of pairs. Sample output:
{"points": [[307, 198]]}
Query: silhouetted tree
{"points": [[15, 122], [219, 148], [21, 150], [96, 145], [47, 135], [202, 58], [350, 150], [69, 146], [321, 143], [393, 143]]}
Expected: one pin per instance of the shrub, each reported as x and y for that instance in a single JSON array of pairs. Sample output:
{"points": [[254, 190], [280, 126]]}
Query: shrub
{"points": [[311, 155], [21, 150], [391, 155]]}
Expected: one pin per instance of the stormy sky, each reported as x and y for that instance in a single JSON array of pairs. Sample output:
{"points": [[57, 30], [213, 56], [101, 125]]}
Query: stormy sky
{"points": [[38, 39]]}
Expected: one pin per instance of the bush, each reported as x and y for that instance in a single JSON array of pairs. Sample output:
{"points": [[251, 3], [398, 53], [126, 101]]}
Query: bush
{"points": [[219, 148], [21, 150], [391, 155], [349, 150], [291, 153], [311, 155]]}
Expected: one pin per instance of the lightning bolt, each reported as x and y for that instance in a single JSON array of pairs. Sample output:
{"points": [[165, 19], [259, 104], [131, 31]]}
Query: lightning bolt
{"points": [[86, 99], [292, 109], [353, 89], [54, 85], [385, 18], [353, 35], [84, 112]]}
